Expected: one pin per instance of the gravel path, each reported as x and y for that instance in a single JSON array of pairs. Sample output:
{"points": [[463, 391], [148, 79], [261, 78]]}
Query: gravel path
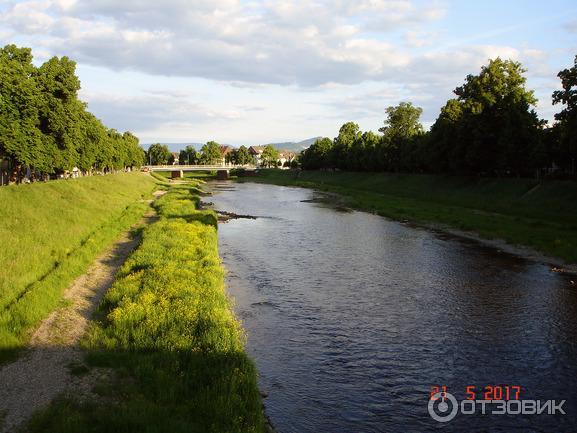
{"points": [[44, 371]]}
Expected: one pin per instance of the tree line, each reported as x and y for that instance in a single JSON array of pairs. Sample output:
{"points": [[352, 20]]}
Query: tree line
{"points": [[489, 128], [45, 130], [209, 154]]}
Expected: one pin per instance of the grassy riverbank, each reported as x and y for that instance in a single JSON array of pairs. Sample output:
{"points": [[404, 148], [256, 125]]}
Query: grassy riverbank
{"points": [[542, 216], [168, 335], [49, 235]]}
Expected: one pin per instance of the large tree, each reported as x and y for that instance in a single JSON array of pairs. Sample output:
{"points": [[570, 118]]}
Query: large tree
{"points": [[188, 156], [242, 156], [401, 128], [269, 156], [495, 129], [402, 121], [61, 111], [210, 153], [567, 118], [317, 155], [158, 154], [20, 99], [340, 154]]}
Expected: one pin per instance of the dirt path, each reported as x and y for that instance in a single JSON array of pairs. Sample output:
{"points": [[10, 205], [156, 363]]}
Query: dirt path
{"points": [[46, 370]]}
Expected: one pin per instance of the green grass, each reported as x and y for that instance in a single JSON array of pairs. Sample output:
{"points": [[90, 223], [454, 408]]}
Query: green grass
{"points": [[167, 330], [50, 233], [540, 215]]}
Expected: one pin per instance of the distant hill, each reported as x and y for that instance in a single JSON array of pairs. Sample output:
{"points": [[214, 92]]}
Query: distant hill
{"points": [[295, 146]]}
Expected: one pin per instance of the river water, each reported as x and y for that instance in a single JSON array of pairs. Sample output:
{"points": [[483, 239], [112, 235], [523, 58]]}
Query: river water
{"points": [[351, 318]]}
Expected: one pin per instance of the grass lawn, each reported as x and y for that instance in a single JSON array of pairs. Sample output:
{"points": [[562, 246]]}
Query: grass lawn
{"points": [[50, 233], [167, 331], [540, 215]]}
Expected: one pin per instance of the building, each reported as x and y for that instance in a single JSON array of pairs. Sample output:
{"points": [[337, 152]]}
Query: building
{"points": [[286, 157], [227, 153], [256, 152]]}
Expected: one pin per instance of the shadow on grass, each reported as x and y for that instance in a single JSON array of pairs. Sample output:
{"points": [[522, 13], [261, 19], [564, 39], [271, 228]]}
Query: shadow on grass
{"points": [[156, 391]]}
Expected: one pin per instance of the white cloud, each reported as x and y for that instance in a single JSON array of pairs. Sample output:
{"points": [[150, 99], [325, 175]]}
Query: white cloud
{"points": [[283, 42]]}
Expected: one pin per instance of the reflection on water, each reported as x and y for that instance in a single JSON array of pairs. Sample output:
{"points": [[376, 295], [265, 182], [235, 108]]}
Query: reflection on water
{"points": [[351, 317]]}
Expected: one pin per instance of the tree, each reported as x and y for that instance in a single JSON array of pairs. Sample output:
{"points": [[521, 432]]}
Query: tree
{"points": [[20, 99], [269, 156], [243, 156], [567, 118], [60, 111], [497, 130], [44, 127], [210, 153], [348, 134], [402, 121], [188, 156], [317, 155], [158, 154]]}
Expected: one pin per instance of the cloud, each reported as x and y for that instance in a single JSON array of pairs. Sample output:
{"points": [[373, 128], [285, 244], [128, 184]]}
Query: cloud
{"points": [[305, 43], [571, 26], [154, 110]]}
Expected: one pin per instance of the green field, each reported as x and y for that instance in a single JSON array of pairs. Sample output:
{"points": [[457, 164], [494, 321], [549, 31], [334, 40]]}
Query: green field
{"points": [[167, 331], [526, 212], [50, 233]]}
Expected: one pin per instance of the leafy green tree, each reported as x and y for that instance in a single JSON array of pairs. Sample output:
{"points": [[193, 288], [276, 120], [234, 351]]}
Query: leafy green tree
{"points": [[402, 122], [269, 156], [20, 100], [158, 154], [348, 135], [188, 156], [317, 155], [210, 153], [243, 156], [134, 153], [60, 111], [567, 118], [497, 130]]}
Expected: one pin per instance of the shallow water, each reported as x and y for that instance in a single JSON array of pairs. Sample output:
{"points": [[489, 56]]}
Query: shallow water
{"points": [[351, 318]]}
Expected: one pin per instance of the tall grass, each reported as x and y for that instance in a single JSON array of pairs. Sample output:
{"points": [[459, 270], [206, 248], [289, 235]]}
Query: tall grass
{"points": [[167, 330], [540, 215], [49, 234]]}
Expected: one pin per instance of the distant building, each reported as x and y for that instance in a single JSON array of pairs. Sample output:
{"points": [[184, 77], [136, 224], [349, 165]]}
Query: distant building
{"points": [[286, 157], [174, 159], [256, 152], [226, 152]]}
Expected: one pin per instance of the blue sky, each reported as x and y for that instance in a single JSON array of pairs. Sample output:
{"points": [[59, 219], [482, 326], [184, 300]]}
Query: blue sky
{"points": [[251, 72]]}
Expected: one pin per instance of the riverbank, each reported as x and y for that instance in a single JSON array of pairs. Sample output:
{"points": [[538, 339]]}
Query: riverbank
{"points": [[50, 234], [518, 212], [168, 339]]}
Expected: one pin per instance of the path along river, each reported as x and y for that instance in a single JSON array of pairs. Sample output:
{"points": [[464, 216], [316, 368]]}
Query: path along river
{"points": [[352, 318]]}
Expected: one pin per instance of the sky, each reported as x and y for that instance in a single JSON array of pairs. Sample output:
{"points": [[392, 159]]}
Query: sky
{"points": [[254, 72]]}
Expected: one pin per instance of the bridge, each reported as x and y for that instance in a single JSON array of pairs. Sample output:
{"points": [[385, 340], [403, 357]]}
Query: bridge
{"points": [[222, 170]]}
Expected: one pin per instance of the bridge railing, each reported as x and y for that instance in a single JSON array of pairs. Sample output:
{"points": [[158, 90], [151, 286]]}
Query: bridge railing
{"points": [[211, 167]]}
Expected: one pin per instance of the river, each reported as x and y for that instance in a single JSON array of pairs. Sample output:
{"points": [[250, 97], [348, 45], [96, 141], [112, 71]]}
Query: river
{"points": [[352, 318]]}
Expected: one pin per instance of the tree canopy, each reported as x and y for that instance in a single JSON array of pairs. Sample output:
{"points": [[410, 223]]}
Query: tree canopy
{"points": [[210, 153], [567, 117], [242, 156], [45, 127], [158, 154], [489, 128], [269, 156]]}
